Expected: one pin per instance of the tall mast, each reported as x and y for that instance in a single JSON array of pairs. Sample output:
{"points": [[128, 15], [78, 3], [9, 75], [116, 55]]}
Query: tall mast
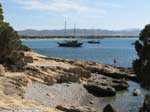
{"points": [[65, 28], [74, 29]]}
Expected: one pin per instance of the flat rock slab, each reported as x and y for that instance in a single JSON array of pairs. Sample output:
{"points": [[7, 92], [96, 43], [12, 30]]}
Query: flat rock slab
{"points": [[67, 94]]}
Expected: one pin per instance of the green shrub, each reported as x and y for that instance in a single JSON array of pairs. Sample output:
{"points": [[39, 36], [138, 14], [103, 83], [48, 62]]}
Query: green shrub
{"points": [[25, 48], [142, 64]]}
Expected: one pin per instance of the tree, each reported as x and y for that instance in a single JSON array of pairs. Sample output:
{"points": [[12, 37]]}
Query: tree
{"points": [[10, 44], [9, 41], [141, 65]]}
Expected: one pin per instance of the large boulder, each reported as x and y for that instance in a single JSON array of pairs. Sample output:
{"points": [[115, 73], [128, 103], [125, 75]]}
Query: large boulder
{"points": [[146, 104], [2, 70], [100, 90], [100, 85], [109, 108]]}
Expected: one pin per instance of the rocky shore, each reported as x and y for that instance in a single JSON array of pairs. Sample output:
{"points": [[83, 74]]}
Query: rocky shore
{"points": [[89, 77]]}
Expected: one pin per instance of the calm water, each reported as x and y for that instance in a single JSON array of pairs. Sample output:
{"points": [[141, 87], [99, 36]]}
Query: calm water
{"points": [[106, 52], [125, 101]]}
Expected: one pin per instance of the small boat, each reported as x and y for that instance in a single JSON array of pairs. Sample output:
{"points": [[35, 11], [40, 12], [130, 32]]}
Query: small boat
{"points": [[73, 43], [93, 42]]}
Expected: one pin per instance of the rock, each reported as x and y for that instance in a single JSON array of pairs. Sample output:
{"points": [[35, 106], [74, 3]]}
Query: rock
{"points": [[79, 71], [75, 109], [73, 75], [136, 92], [109, 108], [2, 70], [120, 85], [16, 85], [100, 90], [91, 102], [21, 80], [100, 85], [17, 59], [146, 104], [50, 81], [110, 71], [107, 70], [36, 72], [68, 85], [60, 107], [50, 95], [68, 77], [28, 59]]}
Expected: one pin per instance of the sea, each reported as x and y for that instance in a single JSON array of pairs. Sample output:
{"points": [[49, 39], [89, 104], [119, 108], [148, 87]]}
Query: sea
{"points": [[120, 49]]}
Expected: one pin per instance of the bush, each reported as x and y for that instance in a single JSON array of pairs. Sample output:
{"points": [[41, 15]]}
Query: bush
{"points": [[142, 65], [16, 60], [25, 48]]}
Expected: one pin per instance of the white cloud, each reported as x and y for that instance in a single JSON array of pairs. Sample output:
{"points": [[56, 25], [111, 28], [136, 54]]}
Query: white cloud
{"points": [[58, 5], [50, 5], [66, 8], [113, 5]]}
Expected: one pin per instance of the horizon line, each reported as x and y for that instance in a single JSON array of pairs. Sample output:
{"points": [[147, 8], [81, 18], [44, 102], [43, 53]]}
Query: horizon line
{"points": [[83, 29]]}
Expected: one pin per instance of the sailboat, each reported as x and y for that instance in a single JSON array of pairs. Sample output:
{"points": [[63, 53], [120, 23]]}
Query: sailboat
{"points": [[70, 43]]}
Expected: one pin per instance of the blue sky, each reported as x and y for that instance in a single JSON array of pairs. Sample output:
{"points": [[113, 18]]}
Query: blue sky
{"points": [[98, 14]]}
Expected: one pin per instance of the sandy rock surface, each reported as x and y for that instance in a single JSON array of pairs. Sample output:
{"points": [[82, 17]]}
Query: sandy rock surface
{"points": [[47, 80]]}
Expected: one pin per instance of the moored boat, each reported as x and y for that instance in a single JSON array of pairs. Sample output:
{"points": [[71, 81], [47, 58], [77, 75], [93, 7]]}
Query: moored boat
{"points": [[94, 42], [73, 43]]}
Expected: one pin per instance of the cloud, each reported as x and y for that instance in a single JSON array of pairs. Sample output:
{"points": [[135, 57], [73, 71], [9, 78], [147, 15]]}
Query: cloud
{"points": [[51, 5], [58, 5], [67, 8], [113, 5]]}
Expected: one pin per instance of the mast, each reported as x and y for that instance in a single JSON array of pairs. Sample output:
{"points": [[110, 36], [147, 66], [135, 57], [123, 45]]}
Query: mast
{"points": [[74, 30], [65, 28]]}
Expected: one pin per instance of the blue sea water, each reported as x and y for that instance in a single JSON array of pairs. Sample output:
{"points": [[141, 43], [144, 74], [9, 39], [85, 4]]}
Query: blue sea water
{"points": [[109, 49]]}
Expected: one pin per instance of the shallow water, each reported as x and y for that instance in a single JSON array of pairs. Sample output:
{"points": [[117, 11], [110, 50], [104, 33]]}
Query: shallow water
{"points": [[105, 52], [76, 95], [125, 101]]}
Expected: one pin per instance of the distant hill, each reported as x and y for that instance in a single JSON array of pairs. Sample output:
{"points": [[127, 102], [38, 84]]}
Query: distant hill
{"points": [[80, 32]]}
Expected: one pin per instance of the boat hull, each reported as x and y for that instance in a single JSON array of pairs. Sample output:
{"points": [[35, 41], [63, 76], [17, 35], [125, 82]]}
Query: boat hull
{"points": [[70, 45], [90, 42]]}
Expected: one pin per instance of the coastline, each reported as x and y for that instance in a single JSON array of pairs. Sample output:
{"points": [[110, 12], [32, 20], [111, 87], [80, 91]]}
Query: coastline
{"points": [[77, 37], [72, 38], [56, 71]]}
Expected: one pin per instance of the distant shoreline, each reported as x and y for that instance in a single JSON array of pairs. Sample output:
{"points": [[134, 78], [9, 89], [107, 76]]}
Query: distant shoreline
{"points": [[74, 37]]}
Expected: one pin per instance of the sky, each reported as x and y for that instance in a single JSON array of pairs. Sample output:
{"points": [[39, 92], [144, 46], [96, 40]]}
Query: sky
{"points": [[88, 14]]}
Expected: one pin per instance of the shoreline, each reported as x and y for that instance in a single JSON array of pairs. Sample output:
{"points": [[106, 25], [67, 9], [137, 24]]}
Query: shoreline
{"points": [[78, 37], [78, 75]]}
